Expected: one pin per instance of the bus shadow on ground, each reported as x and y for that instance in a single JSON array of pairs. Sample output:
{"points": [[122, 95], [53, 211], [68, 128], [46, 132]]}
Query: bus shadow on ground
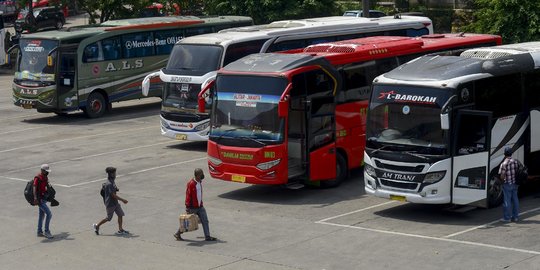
{"points": [[460, 215], [351, 189], [189, 146], [131, 112]]}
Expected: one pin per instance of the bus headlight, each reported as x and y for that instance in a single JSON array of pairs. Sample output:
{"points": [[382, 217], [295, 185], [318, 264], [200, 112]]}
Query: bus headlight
{"points": [[268, 165], [215, 161], [433, 177], [202, 126], [370, 170]]}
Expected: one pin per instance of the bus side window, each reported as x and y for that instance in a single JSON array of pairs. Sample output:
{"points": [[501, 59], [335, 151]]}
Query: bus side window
{"points": [[92, 53], [500, 95], [166, 39], [138, 45], [239, 50], [532, 84], [287, 45], [198, 31], [111, 48]]}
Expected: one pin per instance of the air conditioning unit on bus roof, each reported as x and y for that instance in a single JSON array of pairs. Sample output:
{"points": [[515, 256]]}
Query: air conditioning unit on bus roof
{"points": [[501, 51]]}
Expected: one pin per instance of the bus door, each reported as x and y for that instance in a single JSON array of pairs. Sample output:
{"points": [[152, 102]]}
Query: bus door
{"points": [[470, 162], [66, 78], [320, 126]]}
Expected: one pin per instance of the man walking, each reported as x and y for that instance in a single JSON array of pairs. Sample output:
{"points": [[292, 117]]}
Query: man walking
{"points": [[41, 183], [110, 199], [194, 204], [508, 173]]}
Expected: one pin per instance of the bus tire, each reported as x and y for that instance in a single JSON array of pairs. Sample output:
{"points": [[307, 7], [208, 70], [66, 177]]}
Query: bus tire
{"points": [[341, 173], [95, 105], [495, 191], [59, 24]]}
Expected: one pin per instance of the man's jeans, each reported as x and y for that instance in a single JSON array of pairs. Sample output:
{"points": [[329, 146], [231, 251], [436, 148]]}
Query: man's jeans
{"points": [[511, 201], [201, 212], [44, 210]]}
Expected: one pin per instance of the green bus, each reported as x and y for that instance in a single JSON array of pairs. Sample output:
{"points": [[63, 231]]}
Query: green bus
{"points": [[89, 67]]}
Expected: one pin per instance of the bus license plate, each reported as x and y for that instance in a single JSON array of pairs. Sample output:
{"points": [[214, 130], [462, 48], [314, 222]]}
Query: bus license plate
{"points": [[398, 198], [26, 106], [238, 178], [181, 137]]}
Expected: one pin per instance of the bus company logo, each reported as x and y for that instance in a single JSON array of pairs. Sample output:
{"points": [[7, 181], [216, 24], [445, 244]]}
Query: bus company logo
{"points": [[393, 96], [126, 65], [398, 176], [34, 48], [26, 91]]}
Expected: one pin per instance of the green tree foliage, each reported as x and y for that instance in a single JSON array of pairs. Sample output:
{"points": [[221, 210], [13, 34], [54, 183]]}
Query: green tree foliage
{"points": [[514, 20], [264, 11]]}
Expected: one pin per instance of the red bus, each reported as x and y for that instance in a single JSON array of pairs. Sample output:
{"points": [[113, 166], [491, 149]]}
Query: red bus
{"points": [[300, 118]]}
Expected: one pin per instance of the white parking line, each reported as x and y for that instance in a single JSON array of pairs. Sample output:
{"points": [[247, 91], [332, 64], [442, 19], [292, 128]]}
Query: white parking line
{"points": [[118, 176], [20, 116], [486, 225], [21, 130], [76, 138], [361, 210], [91, 156], [433, 238], [141, 171]]}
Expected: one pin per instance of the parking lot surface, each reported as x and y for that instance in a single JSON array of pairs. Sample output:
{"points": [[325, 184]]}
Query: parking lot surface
{"points": [[258, 227]]}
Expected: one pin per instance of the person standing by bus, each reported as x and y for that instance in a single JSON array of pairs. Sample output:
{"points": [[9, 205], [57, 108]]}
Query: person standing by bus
{"points": [[194, 204], [41, 183], [110, 199], [508, 172]]}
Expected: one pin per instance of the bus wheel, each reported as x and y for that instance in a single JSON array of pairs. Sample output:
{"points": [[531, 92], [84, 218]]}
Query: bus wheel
{"points": [[495, 191], [341, 173], [95, 105]]}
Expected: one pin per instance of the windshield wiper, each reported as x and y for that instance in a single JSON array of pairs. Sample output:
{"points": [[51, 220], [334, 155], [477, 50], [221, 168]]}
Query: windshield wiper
{"points": [[380, 148], [253, 139], [416, 155], [225, 133]]}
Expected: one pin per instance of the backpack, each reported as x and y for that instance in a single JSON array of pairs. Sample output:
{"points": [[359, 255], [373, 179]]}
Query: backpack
{"points": [[102, 191], [29, 192], [522, 173]]}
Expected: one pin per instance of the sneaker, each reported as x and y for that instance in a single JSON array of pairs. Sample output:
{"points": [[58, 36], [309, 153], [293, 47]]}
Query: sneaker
{"points": [[40, 234], [178, 237], [122, 232], [515, 220], [210, 238], [48, 235], [96, 229], [505, 220]]}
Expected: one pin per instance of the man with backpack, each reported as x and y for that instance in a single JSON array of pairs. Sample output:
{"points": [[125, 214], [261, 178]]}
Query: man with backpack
{"points": [[110, 199], [508, 172], [41, 183]]}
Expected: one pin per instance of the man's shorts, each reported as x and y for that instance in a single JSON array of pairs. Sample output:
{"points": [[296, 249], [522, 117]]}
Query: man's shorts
{"points": [[114, 209]]}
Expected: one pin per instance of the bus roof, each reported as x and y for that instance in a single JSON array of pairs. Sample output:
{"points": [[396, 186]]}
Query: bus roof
{"points": [[126, 24], [473, 64], [348, 51], [305, 26]]}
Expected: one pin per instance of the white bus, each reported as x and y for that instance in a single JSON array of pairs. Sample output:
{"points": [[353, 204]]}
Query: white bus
{"points": [[437, 126], [194, 60]]}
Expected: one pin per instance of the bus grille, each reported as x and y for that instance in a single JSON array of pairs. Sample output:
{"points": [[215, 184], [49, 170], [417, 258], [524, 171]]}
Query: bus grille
{"points": [[381, 165], [401, 185]]}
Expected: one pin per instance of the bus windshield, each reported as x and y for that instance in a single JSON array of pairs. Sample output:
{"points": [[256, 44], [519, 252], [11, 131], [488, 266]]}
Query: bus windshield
{"points": [[406, 118], [33, 60], [246, 108], [194, 60]]}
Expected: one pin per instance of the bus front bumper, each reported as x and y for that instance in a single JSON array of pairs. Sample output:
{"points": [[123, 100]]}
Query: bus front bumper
{"points": [[421, 197], [183, 135]]}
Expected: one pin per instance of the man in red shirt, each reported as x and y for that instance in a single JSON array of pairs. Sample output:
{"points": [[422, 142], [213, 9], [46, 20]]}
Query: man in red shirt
{"points": [[41, 182], [194, 204]]}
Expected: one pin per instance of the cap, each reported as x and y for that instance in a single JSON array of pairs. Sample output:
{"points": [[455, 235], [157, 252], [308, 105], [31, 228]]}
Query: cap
{"points": [[110, 169], [46, 168], [508, 151]]}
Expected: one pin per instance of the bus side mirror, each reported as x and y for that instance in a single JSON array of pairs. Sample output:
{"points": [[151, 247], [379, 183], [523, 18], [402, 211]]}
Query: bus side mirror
{"points": [[445, 121], [145, 86], [283, 109], [204, 94]]}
